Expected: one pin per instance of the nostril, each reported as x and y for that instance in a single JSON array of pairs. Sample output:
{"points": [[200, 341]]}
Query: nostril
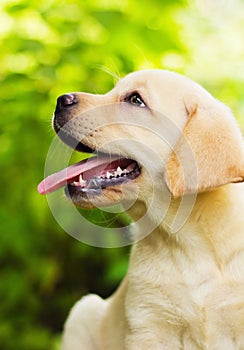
{"points": [[66, 100]]}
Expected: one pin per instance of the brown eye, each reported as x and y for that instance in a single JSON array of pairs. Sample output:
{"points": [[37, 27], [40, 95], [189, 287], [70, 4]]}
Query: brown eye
{"points": [[136, 100]]}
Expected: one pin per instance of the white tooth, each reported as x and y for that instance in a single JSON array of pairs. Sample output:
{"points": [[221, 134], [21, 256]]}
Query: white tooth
{"points": [[108, 174], [119, 171], [81, 181]]}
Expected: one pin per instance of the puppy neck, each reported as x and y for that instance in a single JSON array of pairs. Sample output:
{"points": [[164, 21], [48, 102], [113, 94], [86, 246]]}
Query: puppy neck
{"points": [[208, 230]]}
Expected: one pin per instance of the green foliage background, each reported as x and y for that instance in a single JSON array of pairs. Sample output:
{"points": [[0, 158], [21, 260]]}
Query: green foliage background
{"points": [[51, 47]]}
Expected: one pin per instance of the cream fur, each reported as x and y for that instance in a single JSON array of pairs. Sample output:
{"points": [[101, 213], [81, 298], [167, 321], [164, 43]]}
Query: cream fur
{"points": [[183, 290]]}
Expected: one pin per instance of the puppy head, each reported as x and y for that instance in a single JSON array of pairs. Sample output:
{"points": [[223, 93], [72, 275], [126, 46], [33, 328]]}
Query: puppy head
{"points": [[155, 122]]}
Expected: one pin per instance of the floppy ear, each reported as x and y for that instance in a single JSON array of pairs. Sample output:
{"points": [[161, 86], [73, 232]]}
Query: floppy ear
{"points": [[210, 151]]}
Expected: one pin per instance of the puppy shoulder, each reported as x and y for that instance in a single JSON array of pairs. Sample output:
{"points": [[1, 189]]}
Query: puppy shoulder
{"points": [[82, 327]]}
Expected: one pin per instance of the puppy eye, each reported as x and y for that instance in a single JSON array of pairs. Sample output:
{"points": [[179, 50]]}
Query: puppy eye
{"points": [[135, 99]]}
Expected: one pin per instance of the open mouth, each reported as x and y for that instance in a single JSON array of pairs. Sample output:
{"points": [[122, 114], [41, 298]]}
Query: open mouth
{"points": [[92, 175]]}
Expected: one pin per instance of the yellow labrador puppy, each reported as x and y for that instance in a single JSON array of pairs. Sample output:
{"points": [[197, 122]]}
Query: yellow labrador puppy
{"points": [[174, 157]]}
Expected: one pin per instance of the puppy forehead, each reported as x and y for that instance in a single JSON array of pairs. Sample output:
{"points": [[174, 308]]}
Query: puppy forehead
{"points": [[137, 80], [133, 80], [152, 80]]}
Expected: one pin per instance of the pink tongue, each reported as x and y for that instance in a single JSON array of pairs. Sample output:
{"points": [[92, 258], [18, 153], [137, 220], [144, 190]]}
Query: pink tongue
{"points": [[60, 179]]}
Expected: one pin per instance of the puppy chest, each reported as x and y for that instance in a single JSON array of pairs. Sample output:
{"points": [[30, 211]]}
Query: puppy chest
{"points": [[215, 317]]}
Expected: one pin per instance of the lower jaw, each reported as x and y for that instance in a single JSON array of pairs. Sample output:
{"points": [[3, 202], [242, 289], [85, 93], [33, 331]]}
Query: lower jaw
{"points": [[90, 200]]}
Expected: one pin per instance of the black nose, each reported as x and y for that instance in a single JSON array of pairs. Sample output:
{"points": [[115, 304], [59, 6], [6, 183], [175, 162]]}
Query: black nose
{"points": [[66, 100]]}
